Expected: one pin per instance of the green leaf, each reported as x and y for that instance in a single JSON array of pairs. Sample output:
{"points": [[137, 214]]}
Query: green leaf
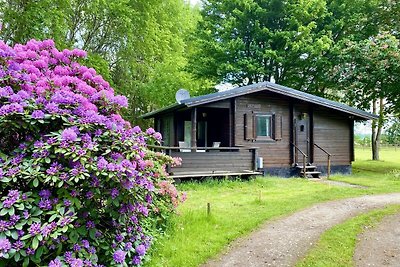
{"points": [[26, 262], [53, 217], [92, 233], [39, 252], [35, 182], [26, 237], [14, 235], [35, 243], [11, 211], [17, 256], [3, 212]]}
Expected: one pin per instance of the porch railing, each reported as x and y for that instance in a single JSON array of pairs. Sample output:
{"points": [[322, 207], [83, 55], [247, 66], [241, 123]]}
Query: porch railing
{"points": [[211, 159], [328, 159], [304, 159]]}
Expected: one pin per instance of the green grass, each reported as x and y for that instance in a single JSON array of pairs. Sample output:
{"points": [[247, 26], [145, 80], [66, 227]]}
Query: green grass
{"points": [[382, 176], [337, 245], [239, 207]]}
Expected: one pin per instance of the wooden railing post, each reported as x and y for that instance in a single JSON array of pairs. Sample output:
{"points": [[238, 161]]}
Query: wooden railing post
{"points": [[168, 152], [328, 171], [329, 166]]}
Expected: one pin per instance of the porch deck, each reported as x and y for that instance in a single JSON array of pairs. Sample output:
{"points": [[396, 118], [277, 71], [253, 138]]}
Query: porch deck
{"points": [[212, 161]]}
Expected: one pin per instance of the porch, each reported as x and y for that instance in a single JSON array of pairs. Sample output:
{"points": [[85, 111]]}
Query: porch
{"points": [[212, 161]]}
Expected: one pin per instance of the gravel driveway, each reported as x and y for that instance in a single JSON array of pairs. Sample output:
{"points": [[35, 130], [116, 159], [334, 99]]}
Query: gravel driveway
{"points": [[380, 246], [284, 241]]}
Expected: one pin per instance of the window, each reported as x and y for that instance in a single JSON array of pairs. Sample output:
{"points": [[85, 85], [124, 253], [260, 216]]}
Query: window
{"points": [[263, 126]]}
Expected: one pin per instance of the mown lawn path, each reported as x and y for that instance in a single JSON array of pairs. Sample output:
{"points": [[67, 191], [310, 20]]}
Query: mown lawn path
{"points": [[380, 246], [284, 241]]}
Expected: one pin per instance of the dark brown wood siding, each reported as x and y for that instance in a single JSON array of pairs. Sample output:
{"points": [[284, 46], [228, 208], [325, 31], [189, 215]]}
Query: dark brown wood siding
{"points": [[232, 161], [333, 133], [275, 153]]}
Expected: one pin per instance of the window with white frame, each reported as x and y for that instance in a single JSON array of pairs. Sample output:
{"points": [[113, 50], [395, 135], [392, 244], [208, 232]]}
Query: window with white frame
{"points": [[263, 123]]}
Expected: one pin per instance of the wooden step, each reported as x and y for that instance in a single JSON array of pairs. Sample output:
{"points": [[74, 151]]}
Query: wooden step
{"points": [[307, 167], [314, 174], [311, 172]]}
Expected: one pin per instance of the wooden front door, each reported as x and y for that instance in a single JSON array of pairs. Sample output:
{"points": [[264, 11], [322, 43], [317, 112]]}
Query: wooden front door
{"points": [[301, 128]]}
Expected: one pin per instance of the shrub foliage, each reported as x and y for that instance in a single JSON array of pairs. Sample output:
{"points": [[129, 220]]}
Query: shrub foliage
{"points": [[79, 186]]}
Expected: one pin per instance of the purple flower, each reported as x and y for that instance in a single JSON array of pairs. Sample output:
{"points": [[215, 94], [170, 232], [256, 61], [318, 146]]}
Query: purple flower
{"points": [[18, 245], [5, 246], [34, 229], [14, 194], [76, 263], [136, 260], [150, 131], [140, 250], [85, 243], [89, 195], [136, 129], [114, 193], [91, 250], [90, 224], [14, 218], [128, 246], [45, 204], [4, 226], [119, 238], [68, 135], [102, 163], [76, 248], [38, 114], [55, 263], [45, 193], [119, 256], [157, 136], [67, 203], [30, 251]]}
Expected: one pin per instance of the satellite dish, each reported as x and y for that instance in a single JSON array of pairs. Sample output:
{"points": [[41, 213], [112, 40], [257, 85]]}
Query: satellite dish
{"points": [[181, 95]]}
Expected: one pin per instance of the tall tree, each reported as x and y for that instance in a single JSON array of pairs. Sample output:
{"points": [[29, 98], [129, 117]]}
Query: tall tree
{"points": [[370, 73], [248, 41]]}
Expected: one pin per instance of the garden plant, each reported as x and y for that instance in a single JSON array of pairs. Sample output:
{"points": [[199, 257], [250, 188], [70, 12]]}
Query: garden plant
{"points": [[79, 185]]}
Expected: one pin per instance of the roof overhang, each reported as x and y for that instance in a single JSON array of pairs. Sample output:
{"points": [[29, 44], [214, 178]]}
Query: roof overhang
{"points": [[265, 86]]}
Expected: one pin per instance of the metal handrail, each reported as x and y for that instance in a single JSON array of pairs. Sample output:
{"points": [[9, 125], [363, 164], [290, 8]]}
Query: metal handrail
{"points": [[329, 159], [304, 159]]}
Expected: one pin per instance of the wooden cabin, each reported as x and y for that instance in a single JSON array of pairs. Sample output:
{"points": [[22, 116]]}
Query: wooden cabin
{"points": [[261, 128]]}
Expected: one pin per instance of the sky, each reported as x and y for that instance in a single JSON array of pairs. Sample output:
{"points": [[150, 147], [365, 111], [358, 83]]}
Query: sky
{"points": [[193, 2]]}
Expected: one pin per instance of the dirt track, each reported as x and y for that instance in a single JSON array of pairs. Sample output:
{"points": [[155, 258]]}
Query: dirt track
{"points": [[283, 242], [380, 246]]}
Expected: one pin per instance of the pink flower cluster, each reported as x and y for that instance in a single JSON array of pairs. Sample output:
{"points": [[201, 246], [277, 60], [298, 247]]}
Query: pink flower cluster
{"points": [[78, 181], [48, 81]]}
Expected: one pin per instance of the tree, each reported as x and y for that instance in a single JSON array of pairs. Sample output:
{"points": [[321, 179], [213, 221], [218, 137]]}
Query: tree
{"points": [[369, 72], [133, 43], [393, 133], [250, 41]]}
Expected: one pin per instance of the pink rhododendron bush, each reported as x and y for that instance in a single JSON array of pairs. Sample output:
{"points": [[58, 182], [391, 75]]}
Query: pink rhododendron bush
{"points": [[79, 186]]}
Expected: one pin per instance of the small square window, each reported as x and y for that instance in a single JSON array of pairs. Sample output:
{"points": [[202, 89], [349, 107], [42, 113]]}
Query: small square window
{"points": [[263, 125]]}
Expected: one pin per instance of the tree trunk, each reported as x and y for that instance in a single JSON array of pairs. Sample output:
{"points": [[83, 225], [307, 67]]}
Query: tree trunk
{"points": [[377, 126]]}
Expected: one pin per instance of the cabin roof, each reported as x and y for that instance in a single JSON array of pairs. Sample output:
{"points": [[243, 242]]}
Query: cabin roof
{"points": [[264, 86]]}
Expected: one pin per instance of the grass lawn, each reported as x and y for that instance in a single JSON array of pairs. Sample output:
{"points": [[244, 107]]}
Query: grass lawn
{"points": [[337, 245], [380, 175], [239, 207]]}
